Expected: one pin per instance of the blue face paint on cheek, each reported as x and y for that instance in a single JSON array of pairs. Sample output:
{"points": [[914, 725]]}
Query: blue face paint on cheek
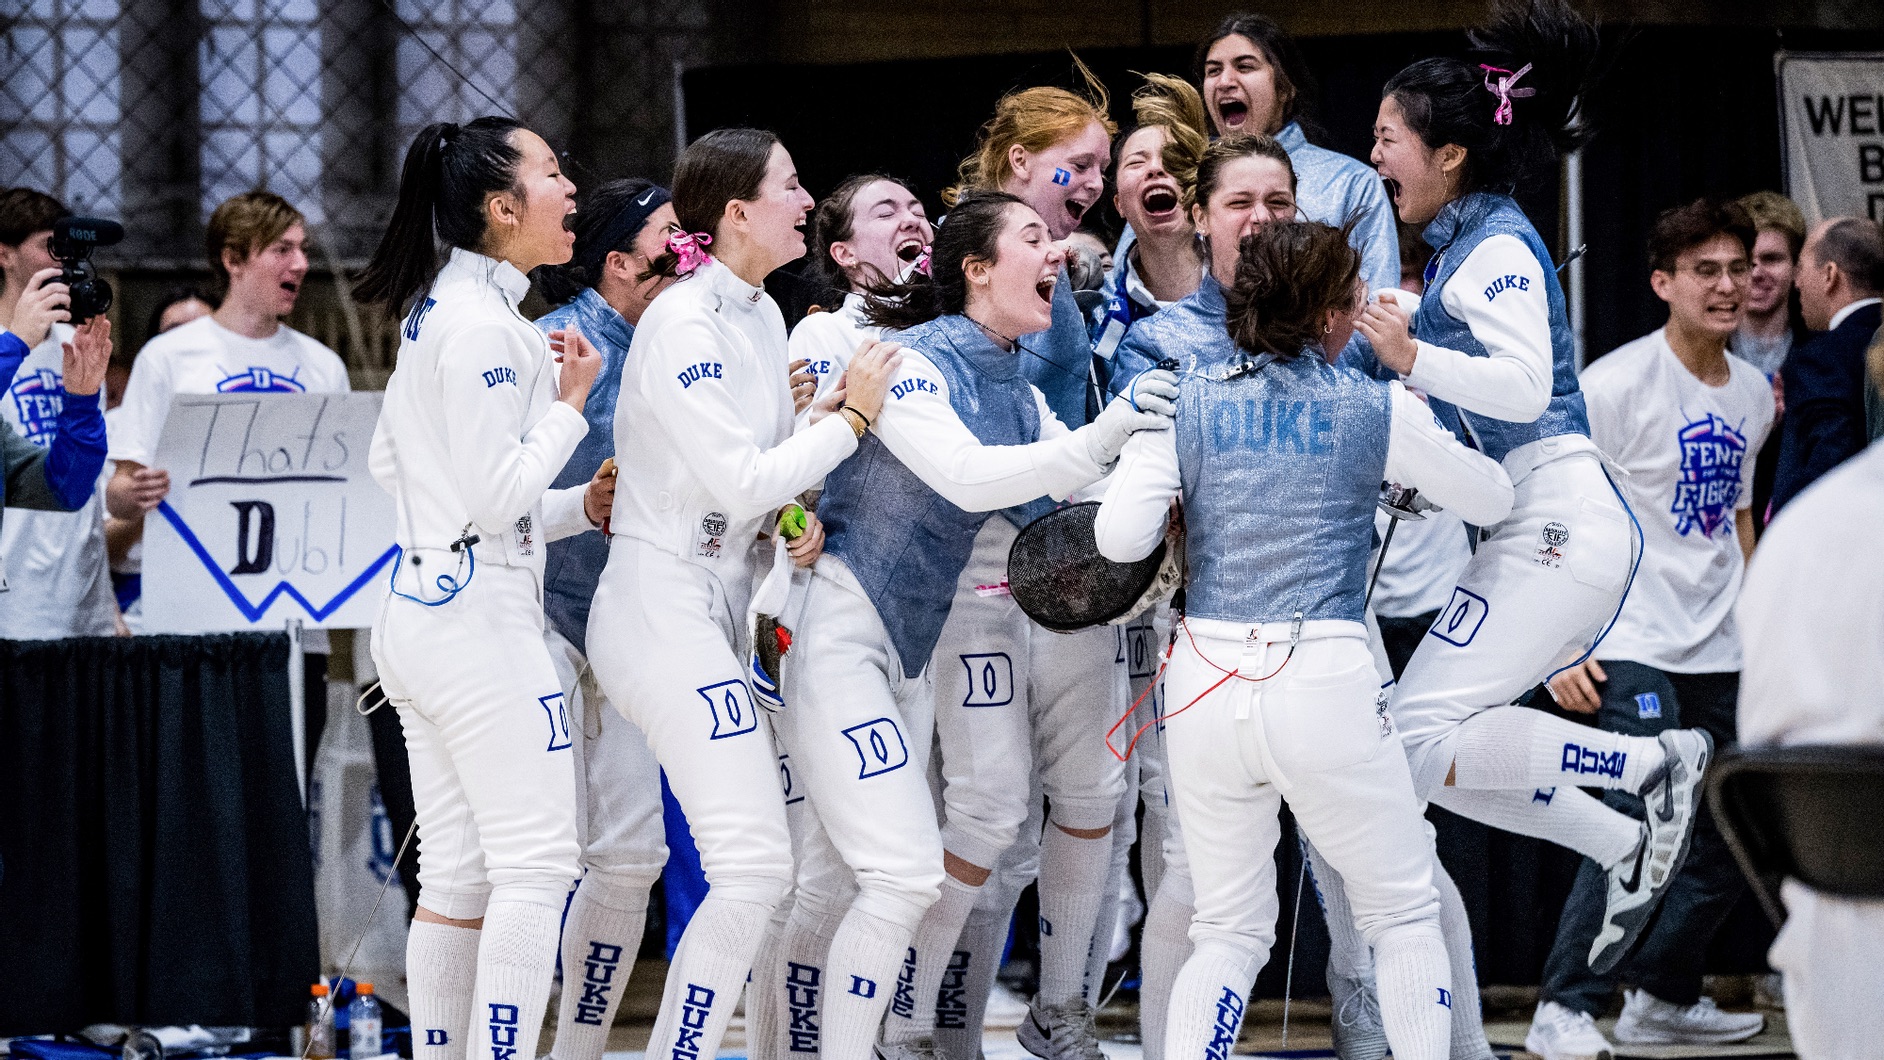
{"points": [[1062, 177]]}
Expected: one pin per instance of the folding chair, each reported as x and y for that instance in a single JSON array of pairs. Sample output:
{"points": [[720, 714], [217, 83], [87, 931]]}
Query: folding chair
{"points": [[1814, 813]]}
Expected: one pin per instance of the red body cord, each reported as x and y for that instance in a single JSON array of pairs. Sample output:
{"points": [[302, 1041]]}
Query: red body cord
{"points": [[1227, 674]]}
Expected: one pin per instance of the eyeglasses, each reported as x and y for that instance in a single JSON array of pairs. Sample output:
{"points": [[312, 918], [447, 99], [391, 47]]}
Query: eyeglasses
{"points": [[1710, 271]]}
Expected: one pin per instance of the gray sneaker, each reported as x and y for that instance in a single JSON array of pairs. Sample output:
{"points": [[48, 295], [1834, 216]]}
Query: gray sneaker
{"points": [[1358, 1032], [1060, 1032], [1648, 1020], [923, 1048], [1636, 883]]}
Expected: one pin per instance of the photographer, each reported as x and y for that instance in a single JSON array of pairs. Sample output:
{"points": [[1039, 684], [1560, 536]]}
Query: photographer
{"points": [[51, 463], [257, 246], [55, 574]]}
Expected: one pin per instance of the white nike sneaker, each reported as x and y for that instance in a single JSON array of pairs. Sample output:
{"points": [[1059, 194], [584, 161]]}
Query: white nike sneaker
{"points": [[1005, 1010], [1358, 1032], [1060, 1032], [1559, 1033], [923, 1048], [1672, 794], [1648, 1020]]}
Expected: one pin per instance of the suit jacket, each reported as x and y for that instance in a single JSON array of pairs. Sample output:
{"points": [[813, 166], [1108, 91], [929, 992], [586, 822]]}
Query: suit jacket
{"points": [[1825, 418]]}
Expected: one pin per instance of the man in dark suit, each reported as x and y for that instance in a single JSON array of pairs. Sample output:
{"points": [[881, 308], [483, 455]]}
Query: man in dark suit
{"points": [[1840, 278]]}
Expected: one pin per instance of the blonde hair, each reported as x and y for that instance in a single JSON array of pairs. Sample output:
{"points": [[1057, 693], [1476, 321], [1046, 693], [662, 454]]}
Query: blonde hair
{"points": [[1035, 119], [1770, 209], [245, 224], [1172, 104]]}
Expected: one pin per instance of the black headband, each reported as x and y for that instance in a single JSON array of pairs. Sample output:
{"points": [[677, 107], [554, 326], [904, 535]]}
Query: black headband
{"points": [[594, 246]]}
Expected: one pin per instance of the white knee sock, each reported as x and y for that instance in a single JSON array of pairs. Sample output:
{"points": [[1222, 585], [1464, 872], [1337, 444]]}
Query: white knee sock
{"points": [[804, 949], [601, 934], [441, 975], [764, 1037], [516, 960], [1468, 1023], [1072, 887], [709, 970], [1565, 815], [1162, 951], [932, 951], [1151, 850], [962, 1003], [1112, 907], [1348, 954], [1518, 747], [1208, 1000], [1415, 979], [865, 957]]}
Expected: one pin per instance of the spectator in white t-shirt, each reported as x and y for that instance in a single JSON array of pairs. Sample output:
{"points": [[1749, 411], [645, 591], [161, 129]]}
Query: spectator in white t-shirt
{"points": [[1685, 419], [124, 538], [257, 245], [57, 584]]}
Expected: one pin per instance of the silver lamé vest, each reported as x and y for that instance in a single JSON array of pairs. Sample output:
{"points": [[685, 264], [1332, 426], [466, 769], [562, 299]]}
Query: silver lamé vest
{"points": [[903, 541], [1281, 468], [1461, 226]]}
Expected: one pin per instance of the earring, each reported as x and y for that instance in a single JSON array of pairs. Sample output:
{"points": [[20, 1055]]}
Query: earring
{"points": [[1327, 329]]}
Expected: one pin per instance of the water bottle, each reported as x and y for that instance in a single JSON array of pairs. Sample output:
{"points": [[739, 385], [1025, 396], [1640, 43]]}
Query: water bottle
{"points": [[363, 1016], [320, 1025]]}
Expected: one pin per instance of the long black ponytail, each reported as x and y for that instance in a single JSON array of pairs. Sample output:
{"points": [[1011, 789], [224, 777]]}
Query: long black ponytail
{"points": [[449, 171], [972, 229], [1516, 134]]}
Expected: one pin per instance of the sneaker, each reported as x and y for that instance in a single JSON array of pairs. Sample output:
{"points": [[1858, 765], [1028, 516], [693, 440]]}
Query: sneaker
{"points": [[1648, 1020], [1005, 1012], [1559, 1033], [1358, 1032], [1636, 884], [923, 1048], [1060, 1032]]}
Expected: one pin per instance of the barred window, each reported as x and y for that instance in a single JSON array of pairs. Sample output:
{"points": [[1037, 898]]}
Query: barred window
{"points": [[59, 103], [260, 64], [478, 38]]}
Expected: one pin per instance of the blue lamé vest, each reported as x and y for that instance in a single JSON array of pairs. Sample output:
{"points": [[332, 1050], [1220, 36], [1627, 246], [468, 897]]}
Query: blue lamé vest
{"points": [[1191, 330], [903, 541], [1461, 226], [573, 566], [1064, 357], [1281, 468]]}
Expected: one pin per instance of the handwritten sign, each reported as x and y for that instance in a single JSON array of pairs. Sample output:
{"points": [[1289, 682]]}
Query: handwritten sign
{"points": [[1831, 109], [271, 515]]}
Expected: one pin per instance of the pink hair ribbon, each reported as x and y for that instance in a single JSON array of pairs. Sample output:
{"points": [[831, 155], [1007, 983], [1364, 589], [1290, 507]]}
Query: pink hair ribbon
{"points": [[690, 248], [1502, 88]]}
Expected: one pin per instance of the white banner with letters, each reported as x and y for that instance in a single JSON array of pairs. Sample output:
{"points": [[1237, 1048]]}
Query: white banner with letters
{"points": [[1831, 116], [271, 515]]}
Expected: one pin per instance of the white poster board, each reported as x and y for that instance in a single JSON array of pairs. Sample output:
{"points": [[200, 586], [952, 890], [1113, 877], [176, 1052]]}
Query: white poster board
{"points": [[271, 515], [1831, 117]]}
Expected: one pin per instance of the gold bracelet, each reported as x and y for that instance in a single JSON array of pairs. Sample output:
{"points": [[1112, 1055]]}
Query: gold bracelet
{"points": [[855, 419]]}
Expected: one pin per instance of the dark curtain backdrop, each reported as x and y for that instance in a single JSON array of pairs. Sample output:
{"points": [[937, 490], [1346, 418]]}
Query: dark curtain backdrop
{"points": [[154, 859], [1685, 112]]}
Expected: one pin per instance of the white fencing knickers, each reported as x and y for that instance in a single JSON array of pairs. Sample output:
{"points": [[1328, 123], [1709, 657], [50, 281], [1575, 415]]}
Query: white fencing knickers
{"points": [[488, 738], [858, 733], [668, 650], [1311, 734], [1538, 590], [620, 826], [1013, 699]]}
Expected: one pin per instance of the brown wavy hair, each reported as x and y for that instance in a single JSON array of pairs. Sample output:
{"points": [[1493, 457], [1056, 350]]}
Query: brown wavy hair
{"points": [[1288, 275]]}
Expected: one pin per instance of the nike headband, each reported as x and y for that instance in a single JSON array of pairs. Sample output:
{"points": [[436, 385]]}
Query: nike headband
{"points": [[620, 229]]}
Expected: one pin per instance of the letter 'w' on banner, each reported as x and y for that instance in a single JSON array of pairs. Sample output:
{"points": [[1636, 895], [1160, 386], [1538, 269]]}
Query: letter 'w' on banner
{"points": [[1831, 130], [272, 515]]}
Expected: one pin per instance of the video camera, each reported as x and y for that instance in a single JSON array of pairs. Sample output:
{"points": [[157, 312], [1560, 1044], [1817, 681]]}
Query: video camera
{"points": [[73, 240]]}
